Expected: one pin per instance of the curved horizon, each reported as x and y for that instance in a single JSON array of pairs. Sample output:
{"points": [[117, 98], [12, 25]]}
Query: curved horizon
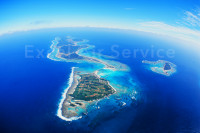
{"points": [[175, 19]]}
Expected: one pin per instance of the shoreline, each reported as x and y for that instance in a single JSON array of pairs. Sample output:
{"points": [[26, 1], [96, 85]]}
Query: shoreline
{"points": [[65, 100], [64, 96], [158, 67], [70, 115]]}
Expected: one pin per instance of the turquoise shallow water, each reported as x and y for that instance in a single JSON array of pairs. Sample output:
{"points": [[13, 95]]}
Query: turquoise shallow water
{"points": [[158, 67], [118, 78]]}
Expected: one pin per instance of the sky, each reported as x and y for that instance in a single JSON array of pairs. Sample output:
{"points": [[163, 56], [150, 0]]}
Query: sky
{"points": [[177, 18]]}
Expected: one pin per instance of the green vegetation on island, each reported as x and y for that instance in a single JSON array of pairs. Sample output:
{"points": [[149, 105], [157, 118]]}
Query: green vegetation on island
{"points": [[85, 88], [91, 87]]}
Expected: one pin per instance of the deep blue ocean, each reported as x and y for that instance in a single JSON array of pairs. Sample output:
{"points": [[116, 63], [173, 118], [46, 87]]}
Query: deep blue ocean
{"points": [[31, 85]]}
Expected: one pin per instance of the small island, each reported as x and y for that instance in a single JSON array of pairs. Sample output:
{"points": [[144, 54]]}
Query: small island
{"points": [[161, 66]]}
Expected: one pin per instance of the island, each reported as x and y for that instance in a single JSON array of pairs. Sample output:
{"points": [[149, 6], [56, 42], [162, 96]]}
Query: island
{"points": [[161, 67], [85, 88], [88, 86], [70, 51]]}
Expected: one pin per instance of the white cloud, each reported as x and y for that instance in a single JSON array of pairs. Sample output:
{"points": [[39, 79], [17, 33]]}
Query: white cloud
{"points": [[160, 28], [192, 18], [179, 32], [198, 11]]}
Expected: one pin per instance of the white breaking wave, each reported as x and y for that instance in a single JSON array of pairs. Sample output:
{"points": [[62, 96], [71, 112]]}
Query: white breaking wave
{"points": [[53, 49], [59, 112]]}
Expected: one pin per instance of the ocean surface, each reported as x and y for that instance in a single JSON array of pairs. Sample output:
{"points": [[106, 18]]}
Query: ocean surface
{"points": [[31, 85]]}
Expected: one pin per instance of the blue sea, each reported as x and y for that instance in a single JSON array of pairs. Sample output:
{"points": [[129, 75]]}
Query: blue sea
{"points": [[31, 85]]}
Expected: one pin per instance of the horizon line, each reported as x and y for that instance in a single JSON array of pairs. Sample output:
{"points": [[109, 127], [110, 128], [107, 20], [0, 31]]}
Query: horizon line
{"points": [[195, 42]]}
